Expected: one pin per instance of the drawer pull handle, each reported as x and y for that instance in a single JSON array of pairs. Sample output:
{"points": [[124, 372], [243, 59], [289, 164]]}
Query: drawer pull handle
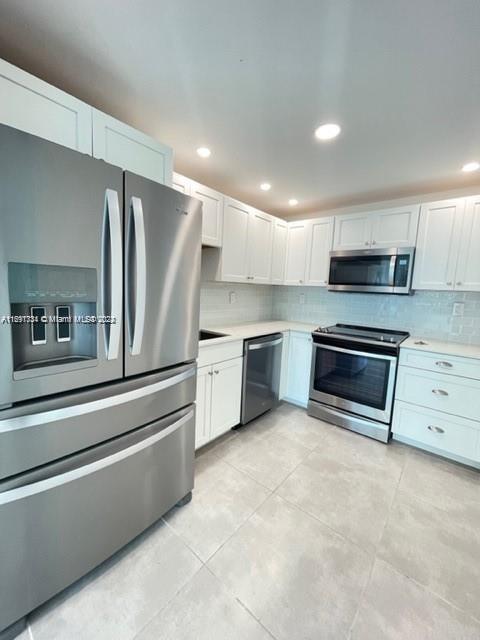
{"points": [[444, 363], [216, 372], [440, 392], [431, 427]]}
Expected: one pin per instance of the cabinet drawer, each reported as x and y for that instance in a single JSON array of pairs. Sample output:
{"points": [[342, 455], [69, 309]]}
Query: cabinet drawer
{"points": [[451, 394], [438, 362], [219, 352], [436, 430]]}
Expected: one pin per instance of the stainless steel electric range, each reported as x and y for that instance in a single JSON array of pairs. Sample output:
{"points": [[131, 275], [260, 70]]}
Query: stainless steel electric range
{"points": [[353, 374]]}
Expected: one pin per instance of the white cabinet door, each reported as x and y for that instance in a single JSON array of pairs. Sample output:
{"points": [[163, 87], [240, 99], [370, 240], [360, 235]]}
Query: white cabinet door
{"points": [[438, 244], [203, 402], [320, 240], [279, 250], [235, 241], [33, 106], [467, 276], [296, 253], [226, 396], [260, 237], [122, 145], [395, 227], [212, 224], [352, 231], [299, 363], [181, 183]]}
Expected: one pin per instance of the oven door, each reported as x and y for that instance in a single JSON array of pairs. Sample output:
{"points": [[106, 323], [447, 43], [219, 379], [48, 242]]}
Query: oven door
{"points": [[354, 381]]}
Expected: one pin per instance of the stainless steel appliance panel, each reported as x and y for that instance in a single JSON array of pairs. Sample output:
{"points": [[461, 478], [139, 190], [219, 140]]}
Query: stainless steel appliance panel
{"points": [[372, 270], [349, 421], [162, 275], [261, 375], [36, 433], [60, 216], [59, 523]]}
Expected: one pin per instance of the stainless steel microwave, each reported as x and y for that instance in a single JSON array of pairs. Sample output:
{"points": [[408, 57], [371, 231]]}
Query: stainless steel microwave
{"points": [[372, 270]]}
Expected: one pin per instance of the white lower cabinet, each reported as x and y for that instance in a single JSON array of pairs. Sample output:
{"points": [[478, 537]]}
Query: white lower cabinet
{"points": [[126, 147], [298, 368], [439, 412], [226, 396], [34, 106], [219, 394]]}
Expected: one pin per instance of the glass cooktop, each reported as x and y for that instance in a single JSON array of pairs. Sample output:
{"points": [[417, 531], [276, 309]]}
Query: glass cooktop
{"points": [[370, 333]]}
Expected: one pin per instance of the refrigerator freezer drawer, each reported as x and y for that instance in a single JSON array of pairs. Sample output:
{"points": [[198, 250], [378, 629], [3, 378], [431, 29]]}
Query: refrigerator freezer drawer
{"points": [[40, 432], [58, 527]]}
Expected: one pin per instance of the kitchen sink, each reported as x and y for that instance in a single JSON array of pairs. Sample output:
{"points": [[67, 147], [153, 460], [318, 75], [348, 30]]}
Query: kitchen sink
{"points": [[209, 335]]}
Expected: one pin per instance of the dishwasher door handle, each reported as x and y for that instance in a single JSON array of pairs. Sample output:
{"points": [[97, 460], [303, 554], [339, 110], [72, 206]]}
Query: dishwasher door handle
{"points": [[264, 345]]}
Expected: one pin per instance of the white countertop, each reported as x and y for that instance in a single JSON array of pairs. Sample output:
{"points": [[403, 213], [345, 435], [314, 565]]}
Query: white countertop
{"points": [[448, 348], [253, 329]]}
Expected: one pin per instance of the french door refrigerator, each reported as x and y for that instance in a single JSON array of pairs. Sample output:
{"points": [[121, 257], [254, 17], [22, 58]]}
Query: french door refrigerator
{"points": [[99, 320]]}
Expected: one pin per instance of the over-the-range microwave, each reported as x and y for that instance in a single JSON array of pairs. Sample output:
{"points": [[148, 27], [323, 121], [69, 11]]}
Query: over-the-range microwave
{"points": [[372, 270]]}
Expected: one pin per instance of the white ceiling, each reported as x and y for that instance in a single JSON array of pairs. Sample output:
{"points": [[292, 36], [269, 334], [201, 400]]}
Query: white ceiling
{"points": [[252, 79]]}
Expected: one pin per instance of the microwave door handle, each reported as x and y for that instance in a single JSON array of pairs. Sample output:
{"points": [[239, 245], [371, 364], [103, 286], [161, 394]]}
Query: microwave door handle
{"points": [[137, 227], [391, 271], [112, 291]]}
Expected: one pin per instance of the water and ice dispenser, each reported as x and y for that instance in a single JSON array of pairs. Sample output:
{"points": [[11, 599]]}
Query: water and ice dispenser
{"points": [[53, 318]]}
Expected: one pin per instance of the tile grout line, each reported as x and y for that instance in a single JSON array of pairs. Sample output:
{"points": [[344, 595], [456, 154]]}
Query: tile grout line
{"points": [[375, 554], [242, 604], [167, 602]]}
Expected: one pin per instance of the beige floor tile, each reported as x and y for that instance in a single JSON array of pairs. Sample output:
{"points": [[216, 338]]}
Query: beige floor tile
{"points": [[429, 545], [223, 499], [396, 608], [301, 580], [116, 601], [204, 610]]}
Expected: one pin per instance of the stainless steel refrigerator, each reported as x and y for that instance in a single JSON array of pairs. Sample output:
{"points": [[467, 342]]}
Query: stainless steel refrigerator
{"points": [[97, 417]]}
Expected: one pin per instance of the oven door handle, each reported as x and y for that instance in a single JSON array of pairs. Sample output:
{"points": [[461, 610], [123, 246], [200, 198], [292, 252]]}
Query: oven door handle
{"points": [[367, 354]]}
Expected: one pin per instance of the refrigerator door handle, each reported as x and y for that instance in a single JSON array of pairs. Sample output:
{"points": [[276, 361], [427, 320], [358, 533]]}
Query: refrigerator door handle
{"points": [[27, 490], [112, 273], [136, 228], [54, 415]]}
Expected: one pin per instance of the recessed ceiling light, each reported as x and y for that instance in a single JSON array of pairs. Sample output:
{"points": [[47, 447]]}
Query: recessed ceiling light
{"points": [[293, 202], [327, 131], [204, 152], [265, 186], [471, 166]]}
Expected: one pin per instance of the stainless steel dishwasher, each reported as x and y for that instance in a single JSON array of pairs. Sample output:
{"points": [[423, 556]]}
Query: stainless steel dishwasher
{"points": [[261, 375]]}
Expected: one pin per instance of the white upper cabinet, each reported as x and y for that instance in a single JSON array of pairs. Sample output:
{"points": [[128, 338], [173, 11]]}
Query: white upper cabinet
{"points": [[320, 240], [467, 277], [212, 224], [212, 209], [33, 106], [438, 244], [126, 147], [352, 231], [296, 253], [279, 250], [181, 183], [260, 237], [395, 227], [234, 263]]}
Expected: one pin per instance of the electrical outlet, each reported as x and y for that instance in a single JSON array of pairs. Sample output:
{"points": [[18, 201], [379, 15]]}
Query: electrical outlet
{"points": [[302, 298], [458, 308], [232, 297]]}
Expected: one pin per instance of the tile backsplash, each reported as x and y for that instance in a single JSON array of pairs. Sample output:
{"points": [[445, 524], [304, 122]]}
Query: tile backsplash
{"points": [[253, 302], [427, 314]]}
